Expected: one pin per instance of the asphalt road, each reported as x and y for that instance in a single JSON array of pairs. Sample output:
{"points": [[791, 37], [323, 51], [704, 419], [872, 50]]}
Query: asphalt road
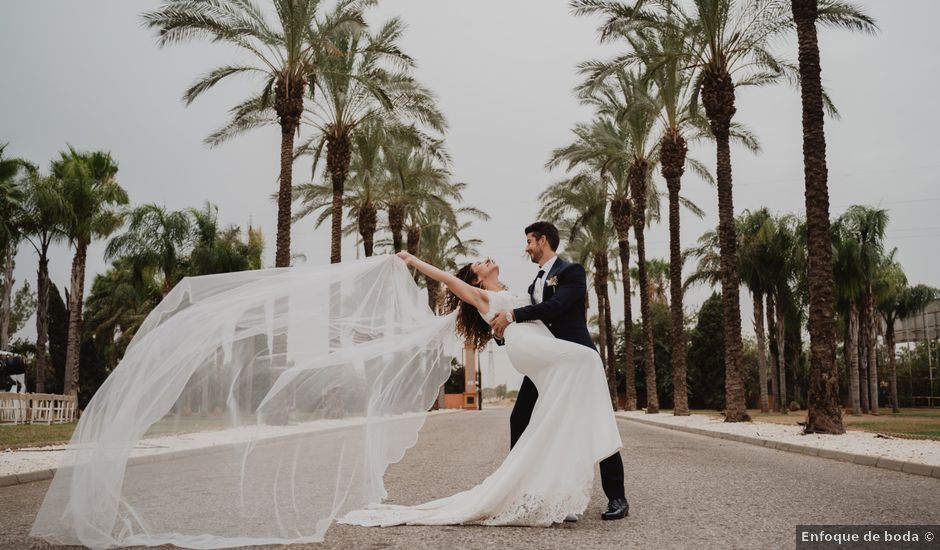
{"points": [[685, 491]]}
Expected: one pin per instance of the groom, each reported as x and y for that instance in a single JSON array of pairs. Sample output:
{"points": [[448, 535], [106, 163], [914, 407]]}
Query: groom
{"points": [[558, 295]]}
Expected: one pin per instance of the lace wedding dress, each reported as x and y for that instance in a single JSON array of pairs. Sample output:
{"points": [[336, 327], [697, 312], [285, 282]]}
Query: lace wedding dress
{"points": [[549, 473]]}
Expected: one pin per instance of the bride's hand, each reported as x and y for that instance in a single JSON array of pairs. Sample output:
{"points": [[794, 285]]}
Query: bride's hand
{"points": [[406, 256]]}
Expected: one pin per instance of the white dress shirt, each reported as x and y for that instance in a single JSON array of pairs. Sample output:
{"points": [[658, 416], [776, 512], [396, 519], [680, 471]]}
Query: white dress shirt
{"points": [[539, 288]]}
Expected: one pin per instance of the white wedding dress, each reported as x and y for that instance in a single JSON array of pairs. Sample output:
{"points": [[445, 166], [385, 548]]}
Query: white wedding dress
{"points": [[549, 473]]}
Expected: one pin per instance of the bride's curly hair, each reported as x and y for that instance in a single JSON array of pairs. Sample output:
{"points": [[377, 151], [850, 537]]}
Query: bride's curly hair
{"points": [[470, 324]]}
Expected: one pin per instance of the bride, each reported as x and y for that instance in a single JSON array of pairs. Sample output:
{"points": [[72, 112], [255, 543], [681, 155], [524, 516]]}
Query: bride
{"points": [[548, 474]]}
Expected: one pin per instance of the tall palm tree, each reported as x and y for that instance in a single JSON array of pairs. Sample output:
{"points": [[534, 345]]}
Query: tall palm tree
{"points": [[45, 221], [753, 254], [849, 289], [601, 147], [91, 190], [287, 55], [365, 76], [783, 263], [579, 206], [824, 413], [626, 98], [156, 237], [866, 227]]}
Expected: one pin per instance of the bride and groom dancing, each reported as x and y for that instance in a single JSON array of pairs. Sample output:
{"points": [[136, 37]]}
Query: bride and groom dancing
{"points": [[562, 423], [358, 384]]}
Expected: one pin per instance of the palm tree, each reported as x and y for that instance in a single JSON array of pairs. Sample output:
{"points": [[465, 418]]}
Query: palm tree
{"points": [[628, 100], [659, 280], [45, 219], [119, 300], [864, 228], [579, 206], [156, 237], [601, 148], [221, 250], [753, 257], [824, 413], [621, 142], [782, 265], [91, 192], [287, 55], [442, 245], [418, 180], [364, 76], [899, 301], [12, 197], [849, 288]]}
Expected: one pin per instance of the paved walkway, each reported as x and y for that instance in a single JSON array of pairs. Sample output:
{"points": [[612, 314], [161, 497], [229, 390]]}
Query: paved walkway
{"points": [[686, 491]]}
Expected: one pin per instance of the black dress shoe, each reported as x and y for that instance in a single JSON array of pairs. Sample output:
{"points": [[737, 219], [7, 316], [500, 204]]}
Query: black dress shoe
{"points": [[616, 509]]}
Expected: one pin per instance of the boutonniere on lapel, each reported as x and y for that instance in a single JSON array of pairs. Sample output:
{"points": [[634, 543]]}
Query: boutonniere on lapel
{"points": [[552, 281]]}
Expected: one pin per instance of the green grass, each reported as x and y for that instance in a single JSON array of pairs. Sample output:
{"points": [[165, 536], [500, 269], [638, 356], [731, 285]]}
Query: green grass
{"points": [[34, 435]]}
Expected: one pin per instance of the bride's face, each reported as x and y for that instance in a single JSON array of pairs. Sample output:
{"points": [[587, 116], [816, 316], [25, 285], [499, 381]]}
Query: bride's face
{"points": [[485, 268]]}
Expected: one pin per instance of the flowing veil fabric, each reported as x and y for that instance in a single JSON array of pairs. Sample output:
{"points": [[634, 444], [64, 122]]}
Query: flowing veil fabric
{"points": [[307, 382]]}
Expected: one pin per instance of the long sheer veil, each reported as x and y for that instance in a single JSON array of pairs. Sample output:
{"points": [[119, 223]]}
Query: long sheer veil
{"points": [[296, 388]]}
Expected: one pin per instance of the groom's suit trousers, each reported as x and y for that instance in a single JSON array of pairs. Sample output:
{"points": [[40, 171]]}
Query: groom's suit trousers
{"points": [[611, 467]]}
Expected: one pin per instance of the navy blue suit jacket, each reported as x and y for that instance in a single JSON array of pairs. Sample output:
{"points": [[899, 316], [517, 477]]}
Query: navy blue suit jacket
{"points": [[562, 308]]}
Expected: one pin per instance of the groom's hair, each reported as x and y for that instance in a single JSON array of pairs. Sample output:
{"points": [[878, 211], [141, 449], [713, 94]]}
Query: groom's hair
{"points": [[547, 230]]}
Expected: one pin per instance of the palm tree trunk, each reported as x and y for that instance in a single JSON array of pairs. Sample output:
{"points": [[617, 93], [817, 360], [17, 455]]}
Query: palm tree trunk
{"points": [[338, 156], [603, 268], [42, 320], [892, 364], [851, 357], [289, 106], [6, 310], [396, 222], [612, 353], [824, 414], [638, 172], [621, 214], [601, 322], [758, 300], [414, 239], [771, 348], [781, 355], [434, 294], [368, 220], [863, 353], [718, 99], [673, 149], [872, 352], [76, 298]]}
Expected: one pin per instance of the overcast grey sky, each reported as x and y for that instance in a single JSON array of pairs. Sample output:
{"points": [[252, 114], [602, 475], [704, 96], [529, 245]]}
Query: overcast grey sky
{"points": [[86, 73]]}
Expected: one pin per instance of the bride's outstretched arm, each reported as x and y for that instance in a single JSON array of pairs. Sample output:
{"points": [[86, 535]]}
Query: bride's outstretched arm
{"points": [[477, 297]]}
